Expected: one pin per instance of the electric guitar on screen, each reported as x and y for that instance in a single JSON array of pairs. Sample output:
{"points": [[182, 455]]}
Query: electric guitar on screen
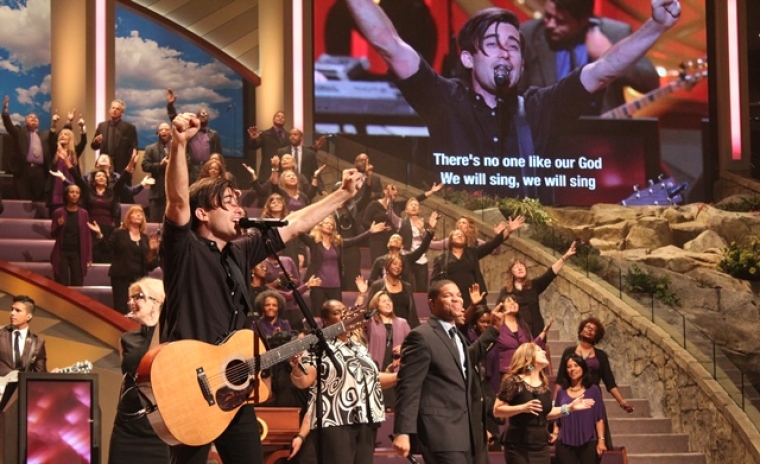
{"points": [[196, 388], [691, 73], [664, 192]]}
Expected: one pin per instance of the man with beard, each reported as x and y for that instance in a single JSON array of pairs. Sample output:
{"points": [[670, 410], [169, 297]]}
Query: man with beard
{"points": [[482, 117], [569, 36], [154, 162]]}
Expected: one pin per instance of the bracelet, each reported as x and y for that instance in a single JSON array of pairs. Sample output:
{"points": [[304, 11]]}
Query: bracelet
{"points": [[601, 439], [563, 258], [565, 411], [298, 435]]}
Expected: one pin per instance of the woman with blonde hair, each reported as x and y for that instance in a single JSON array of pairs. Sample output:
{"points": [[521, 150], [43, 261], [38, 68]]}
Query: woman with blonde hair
{"points": [[326, 247], [133, 439], [66, 158], [135, 254], [526, 400]]}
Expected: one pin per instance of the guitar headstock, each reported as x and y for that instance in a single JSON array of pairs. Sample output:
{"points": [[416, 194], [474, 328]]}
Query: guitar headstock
{"points": [[692, 71], [356, 317], [663, 192], [81, 367]]}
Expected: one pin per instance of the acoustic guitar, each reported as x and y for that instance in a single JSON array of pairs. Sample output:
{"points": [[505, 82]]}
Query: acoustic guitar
{"points": [[196, 388]]}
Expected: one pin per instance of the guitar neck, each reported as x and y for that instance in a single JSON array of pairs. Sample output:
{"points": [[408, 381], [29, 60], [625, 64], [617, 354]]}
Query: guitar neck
{"points": [[288, 350], [626, 111]]}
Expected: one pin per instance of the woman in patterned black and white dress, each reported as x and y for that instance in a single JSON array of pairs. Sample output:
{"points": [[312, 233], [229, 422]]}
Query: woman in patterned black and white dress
{"points": [[353, 402]]}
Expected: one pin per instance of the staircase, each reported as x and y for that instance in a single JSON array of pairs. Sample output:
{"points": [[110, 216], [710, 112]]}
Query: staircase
{"points": [[647, 440]]}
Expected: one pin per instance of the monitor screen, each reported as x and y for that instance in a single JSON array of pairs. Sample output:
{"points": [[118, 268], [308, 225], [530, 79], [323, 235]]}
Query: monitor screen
{"points": [[57, 418]]}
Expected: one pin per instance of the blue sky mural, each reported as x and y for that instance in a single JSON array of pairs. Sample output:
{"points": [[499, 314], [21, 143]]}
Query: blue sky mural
{"points": [[25, 58], [150, 59]]}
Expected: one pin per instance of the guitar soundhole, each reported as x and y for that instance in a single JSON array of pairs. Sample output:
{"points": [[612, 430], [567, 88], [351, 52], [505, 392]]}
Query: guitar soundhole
{"points": [[236, 372]]}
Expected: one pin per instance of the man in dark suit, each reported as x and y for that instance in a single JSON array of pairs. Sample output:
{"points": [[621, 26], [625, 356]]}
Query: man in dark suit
{"points": [[305, 157], [568, 37], [154, 162], [116, 137], [31, 157], [21, 350], [372, 188], [435, 360], [269, 141], [205, 142]]}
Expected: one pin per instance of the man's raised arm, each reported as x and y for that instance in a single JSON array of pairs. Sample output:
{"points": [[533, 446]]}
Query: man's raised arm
{"points": [[379, 31], [630, 50], [177, 180]]}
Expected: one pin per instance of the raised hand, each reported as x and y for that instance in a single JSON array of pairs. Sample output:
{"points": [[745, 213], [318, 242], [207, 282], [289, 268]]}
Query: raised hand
{"points": [[666, 12], [58, 174], [436, 188], [171, 97], [132, 160], [378, 227], [184, 127], [147, 180], [56, 118], [580, 403], [314, 282], [71, 114], [251, 171], [80, 123], [6, 100], [497, 315], [253, 132], [95, 228], [351, 181], [516, 223], [153, 241], [433, 220], [475, 296], [361, 284]]}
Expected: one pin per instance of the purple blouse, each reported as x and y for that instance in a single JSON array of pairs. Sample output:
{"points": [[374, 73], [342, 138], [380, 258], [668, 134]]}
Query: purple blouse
{"points": [[579, 427], [329, 272], [376, 337], [507, 344]]}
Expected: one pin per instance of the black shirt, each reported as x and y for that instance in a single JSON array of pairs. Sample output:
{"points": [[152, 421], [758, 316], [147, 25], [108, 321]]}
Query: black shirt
{"points": [[200, 301]]}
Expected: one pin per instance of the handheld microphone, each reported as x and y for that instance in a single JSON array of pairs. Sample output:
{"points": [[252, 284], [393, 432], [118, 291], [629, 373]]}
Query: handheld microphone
{"points": [[501, 74], [262, 223]]}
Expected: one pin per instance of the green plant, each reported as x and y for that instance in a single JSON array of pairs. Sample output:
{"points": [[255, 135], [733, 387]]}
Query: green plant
{"points": [[586, 256], [744, 205], [530, 208], [742, 260], [639, 281]]}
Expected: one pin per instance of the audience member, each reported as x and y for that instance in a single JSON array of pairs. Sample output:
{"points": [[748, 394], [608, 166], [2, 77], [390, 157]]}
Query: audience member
{"points": [[591, 332], [399, 290], [372, 188], [207, 295], [579, 437], [133, 438], [126, 194], [395, 242], [525, 399], [268, 305], [304, 158], [20, 349], [70, 228], [269, 141], [354, 402], [275, 208], [461, 263], [205, 142], [154, 163], [569, 37], [526, 291], [213, 169], [116, 137], [326, 247], [66, 157], [134, 254], [412, 231], [385, 333], [31, 157]]}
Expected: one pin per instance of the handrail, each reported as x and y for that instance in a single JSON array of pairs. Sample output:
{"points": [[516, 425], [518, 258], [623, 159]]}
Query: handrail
{"points": [[95, 318]]}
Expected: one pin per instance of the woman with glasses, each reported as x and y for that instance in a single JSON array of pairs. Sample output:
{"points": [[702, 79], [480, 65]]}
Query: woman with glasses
{"points": [[133, 439]]}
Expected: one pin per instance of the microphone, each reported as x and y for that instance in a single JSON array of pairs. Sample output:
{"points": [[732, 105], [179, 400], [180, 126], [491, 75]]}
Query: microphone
{"points": [[262, 223], [501, 74]]}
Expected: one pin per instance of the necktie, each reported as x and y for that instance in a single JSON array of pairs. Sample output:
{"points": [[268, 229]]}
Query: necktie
{"points": [[35, 147], [111, 142], [453, 334], [16, 348], [295, 159]]}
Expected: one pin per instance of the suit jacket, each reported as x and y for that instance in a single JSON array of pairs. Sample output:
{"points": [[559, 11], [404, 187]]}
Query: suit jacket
{"points": [[20, 136], [438, 419], [371, 189], [269, 142], [541, 63], [125, 141], [33, 356], [308, 159], [151, 163], [478, 351]]}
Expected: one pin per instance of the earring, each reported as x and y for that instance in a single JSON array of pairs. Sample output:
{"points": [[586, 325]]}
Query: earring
{"points": [[529, 368]]}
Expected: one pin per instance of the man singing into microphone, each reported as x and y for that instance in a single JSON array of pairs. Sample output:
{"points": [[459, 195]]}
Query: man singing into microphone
{"points": [[205, 272], [483, 115]]}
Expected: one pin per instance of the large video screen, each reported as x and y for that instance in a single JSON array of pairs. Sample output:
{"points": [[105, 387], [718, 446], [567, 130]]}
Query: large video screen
{"points": [[572, 155]]}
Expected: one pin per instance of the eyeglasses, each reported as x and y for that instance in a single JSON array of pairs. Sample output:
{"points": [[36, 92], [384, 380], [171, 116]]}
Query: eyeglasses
{"points": [[135, 297]]}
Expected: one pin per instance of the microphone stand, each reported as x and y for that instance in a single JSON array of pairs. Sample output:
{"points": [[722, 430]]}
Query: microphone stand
{"points": [[320, 348]]}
